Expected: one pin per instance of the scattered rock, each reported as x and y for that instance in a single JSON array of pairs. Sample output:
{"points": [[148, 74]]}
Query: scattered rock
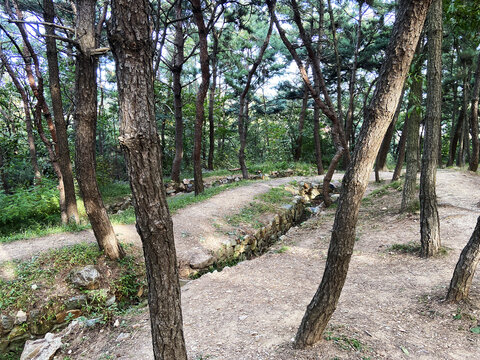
{"points": [[6, 323], [201, 260], [73, 314], [85, 278], [111, 301], [76, 302], [41, 349], [21, 317]]}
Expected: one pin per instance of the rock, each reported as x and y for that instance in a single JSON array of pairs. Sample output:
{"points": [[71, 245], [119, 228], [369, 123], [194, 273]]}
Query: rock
{"points": [[287, 207], [201, 260], [6, 323], [237, 179], [76, 302], [39, 325], [92, 322], [335, 197], [21, 317], [186, 181], [85, 278], [111, 301], [16, 332], [116, 323], [41, 349], [72, 314]]}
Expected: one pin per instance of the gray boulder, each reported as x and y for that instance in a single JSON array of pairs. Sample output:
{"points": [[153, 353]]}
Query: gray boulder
{"points": [[87, 277]]}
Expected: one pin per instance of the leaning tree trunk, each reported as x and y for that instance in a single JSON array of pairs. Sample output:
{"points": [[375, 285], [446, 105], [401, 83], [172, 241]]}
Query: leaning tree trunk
{"points": [[429, 221], [178, 60], [473, 166], [406, 31], [465, 269], [85, 126], [63, 154], [401, 152], [201, 95], [129, 35]]}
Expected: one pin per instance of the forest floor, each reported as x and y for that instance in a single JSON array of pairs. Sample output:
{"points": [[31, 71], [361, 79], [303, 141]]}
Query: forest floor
{"points": [[391, 306]]}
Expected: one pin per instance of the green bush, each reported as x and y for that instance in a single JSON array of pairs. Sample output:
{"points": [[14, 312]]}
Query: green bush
{"points": [[27, 207]]}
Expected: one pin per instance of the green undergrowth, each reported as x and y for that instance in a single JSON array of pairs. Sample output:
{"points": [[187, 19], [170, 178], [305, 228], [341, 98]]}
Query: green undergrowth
{"points": [[28, 284], [115, 191], [269, 202], [299, 168], [346, 343]]}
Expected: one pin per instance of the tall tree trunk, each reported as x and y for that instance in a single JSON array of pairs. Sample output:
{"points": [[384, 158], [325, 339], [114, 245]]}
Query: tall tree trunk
{"points": [[60, 125], [85, 125], [242, 128], [316, 139], [301, 121], [429, 221], [406, 31], [455, 137], [409, 193], [129, 35], [211, 101], [3, 176], [473, 166], [178, 61], [201, 95], [465, 268]]}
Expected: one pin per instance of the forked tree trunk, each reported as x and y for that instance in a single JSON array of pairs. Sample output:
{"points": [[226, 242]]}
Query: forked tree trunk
{"points": [[406, 31], [465, 269], [473, 166], [129, 35], [178, 60], [201, 95], [429, 221], [85, 125], [58, 116]]}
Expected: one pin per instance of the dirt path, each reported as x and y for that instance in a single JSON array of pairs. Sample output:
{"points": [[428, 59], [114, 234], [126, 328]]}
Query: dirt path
{"points": [[390, 308], [194, 228]]}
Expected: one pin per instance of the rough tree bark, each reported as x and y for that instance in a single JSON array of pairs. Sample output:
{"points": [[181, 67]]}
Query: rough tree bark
{"points": [[85, 118], [473, 166], [201, 95], [178, 61], [242, 131], [406, 31], [465, 268], [58, 116], [429, 221], [130, 40]]}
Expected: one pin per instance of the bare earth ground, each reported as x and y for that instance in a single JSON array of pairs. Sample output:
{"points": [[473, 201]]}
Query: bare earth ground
{"points": [[391, 306]]}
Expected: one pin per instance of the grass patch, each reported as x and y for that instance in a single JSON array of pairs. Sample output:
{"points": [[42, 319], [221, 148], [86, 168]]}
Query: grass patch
{"points": [[39, 230], [275, 196], [383, 190], [282, 249], [408, 248], [249, 214], [344, 342]]}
